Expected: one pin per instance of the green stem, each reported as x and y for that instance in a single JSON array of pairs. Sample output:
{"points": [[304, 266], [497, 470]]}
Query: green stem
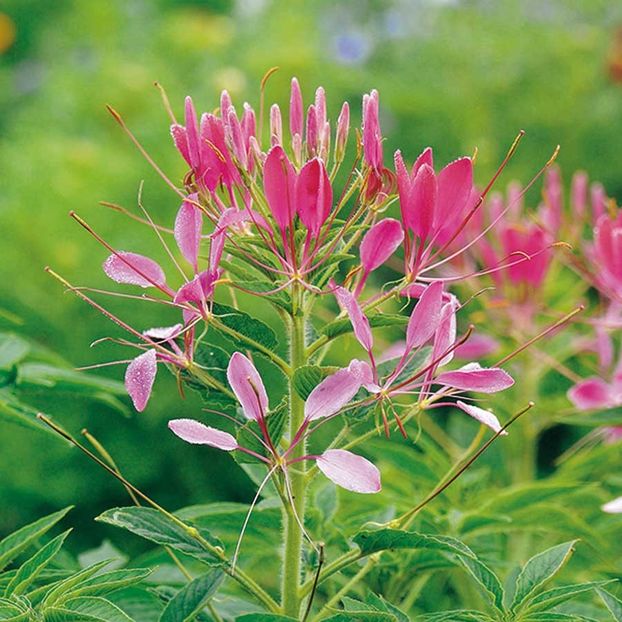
{"points": [[294, 515]]}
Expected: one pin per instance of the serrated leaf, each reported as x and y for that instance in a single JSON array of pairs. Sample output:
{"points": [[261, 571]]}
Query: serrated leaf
{"points": [[248, 327], [154, 526], [362, 616], [487, 579], [539, 569], [382, 605], [108, 582], [30, 569], [552, 598], [87, 609], [307, 377], [613, 604], [264, 617], [192, 598], [393, 539], [456, 615]]}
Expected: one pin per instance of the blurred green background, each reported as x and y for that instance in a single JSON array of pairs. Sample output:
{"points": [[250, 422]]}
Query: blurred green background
{"points": [[452, 74]]}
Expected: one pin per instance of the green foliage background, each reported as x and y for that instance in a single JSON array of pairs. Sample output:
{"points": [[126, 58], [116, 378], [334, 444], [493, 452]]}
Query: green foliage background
{"points": [[454, 75]]}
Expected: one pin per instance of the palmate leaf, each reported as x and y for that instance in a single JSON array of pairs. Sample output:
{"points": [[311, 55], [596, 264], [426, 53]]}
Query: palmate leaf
{"points": [[613, 604], [456, 615], [538, 570], [156, 527], [192, 598], [20, 540], [31, 568], [487, 580]]}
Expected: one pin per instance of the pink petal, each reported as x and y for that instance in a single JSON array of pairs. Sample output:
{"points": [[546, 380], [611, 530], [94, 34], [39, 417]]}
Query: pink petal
{"points": [[199, 289], [372, 137], [296, 109], [360, 323], [472, 377], [591, 393], [483, 416], [613, 507], [134, 269], [426, 316], [422, 202], [333, 393], [314, 195], [476, 347], [349, 471], [139, 377], [188, 227], [446, 334], [180, 138], [380, 242], [455, 183], [426, 157], [247, 386], [197, 433], [279, 186], [192, 132]]}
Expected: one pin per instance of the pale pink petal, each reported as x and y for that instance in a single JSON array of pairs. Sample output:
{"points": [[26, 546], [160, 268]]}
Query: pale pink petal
{"points": [[178, 132], [426, 316], [446, 334], [279, 186], [472, 377], [360, 323], [197, 433], [139, 377], [296, 109], [134, 269], [591, 393], [613, 507], [247, 386], [372, 137], [188, 227], [363, 371], [163, 334], [483, 416], [455, 183], [380, 242], [314, 195], [333, 393], [349, 471]]}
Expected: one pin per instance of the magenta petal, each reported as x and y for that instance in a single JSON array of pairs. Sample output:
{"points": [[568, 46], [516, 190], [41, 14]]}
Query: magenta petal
{"points": [[279, 186], [349, 471], [188, 227], [380, 242], [247, 386], [139, 377], [455, 183], [426, 316], [360, 323], [422, 202], [472, 377], [314, 195], [426, 157], [134, 269], [483, 416], [197, 433], [613, 507], [591, 393], [333, 393]]}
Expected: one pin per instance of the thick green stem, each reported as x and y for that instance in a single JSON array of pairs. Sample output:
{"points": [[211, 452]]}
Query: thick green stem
{"points": [[295, 515]]}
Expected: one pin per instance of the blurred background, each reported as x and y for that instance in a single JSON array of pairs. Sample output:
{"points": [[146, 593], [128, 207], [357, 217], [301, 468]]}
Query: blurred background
{"points": [[454, 74]]}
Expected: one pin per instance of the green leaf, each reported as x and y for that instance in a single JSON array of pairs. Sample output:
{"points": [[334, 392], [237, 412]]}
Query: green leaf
{"points": [[612, 603], [539, 569], [392, 539], [343, 325], [31, 568], [264, 617], [456, 615], [362, 616], [108, 582], [307, 377], [87, 609], [12, 349], [156, 527], [382, 605], [253, 329], [552, 598], [248, 433], [37, 375], [12, 410], [487, 579], [192, 598]]}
